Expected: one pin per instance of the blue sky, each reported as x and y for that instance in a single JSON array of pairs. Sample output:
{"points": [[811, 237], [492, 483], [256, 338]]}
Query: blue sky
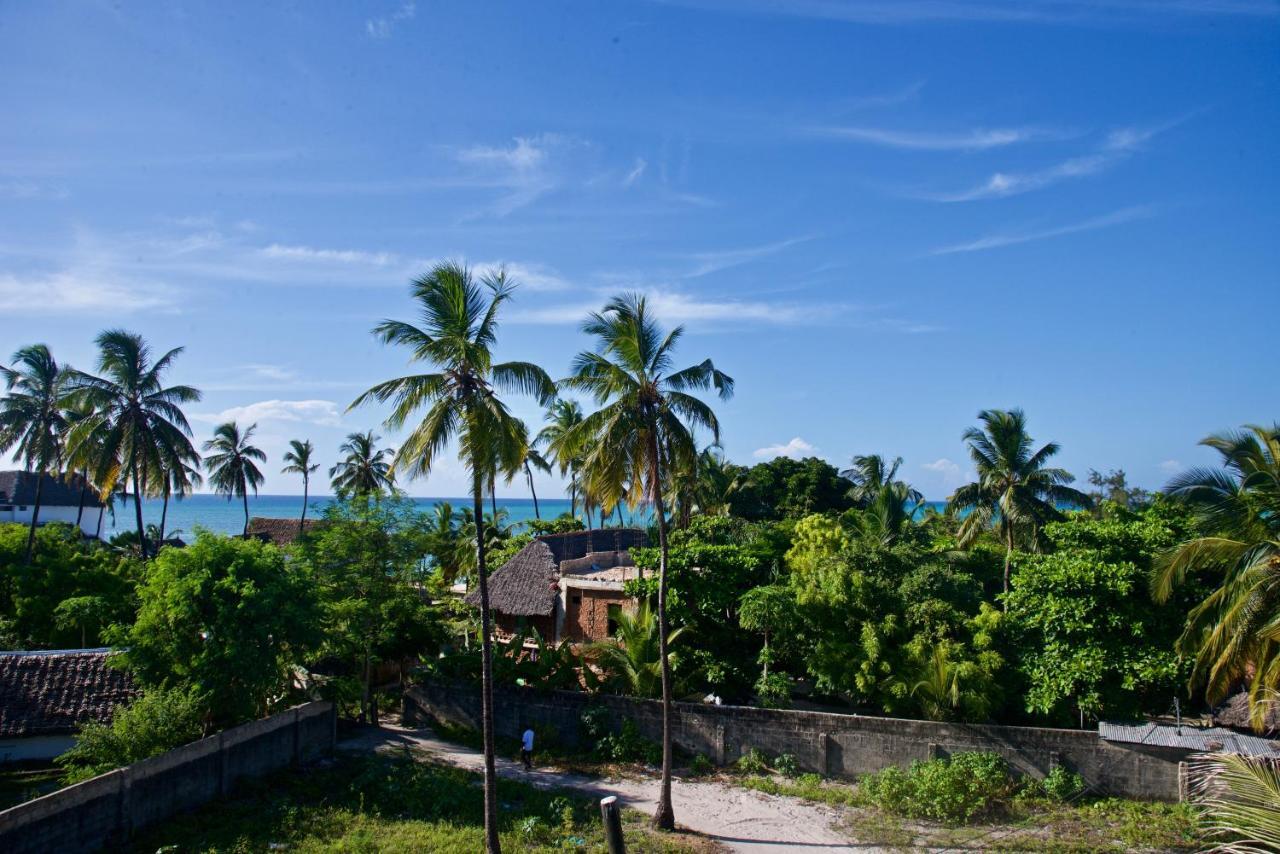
{"points": [[879, 217]]}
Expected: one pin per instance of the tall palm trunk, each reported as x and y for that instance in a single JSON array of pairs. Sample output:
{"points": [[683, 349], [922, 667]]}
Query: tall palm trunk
{"points": [[302, 523], [35, 515], [244, 493], [665, 817], [492, 845], [493, 498], [164, 511], [528, 472], [1008, 558], [137, 502], [84, 493]]}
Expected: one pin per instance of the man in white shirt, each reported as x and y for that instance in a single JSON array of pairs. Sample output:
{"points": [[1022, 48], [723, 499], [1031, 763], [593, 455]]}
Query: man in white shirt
{"points": [[526, 748]]}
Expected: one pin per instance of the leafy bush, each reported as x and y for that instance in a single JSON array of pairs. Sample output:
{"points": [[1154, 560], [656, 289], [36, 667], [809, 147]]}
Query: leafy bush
{"points": [[955, 790], [774, 691], [701, 765], [786, 765], [1061, 784], [628, 746], [159, 720], [752, 762]]}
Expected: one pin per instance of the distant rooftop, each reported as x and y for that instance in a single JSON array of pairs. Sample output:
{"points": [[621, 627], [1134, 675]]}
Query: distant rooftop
{"points": [[1186, 737], [19, 487], [53, 692]]}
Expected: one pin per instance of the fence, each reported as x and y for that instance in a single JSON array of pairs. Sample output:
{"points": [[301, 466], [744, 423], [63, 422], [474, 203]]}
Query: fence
{"points": [[837, 745], [107, 809]]}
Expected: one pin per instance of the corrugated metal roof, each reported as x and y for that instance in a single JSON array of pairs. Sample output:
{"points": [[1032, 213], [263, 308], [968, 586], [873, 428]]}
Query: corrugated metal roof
{"points": [[1199, 739]]}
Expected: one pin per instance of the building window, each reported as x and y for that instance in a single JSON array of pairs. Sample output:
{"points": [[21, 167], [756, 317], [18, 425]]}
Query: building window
{"points": [[615, 611]]}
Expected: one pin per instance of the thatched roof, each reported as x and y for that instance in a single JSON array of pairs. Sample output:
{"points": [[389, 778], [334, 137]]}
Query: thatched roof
{"points": [[1234, 713], [52, 693], [19, 487], [527, 584], [281, 532]]}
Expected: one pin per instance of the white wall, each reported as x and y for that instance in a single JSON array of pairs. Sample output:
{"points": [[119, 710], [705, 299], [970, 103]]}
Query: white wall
{"points": [[35, 747], [90, 522]]}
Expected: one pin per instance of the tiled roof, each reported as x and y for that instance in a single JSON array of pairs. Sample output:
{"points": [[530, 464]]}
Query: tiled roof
{"points": [[52, 693], [19, 487]]}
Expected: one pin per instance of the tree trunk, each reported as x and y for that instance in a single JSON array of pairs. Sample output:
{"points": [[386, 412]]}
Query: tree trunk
{"points": [[1008, 558], [493, 499], [618, 508], [302, 523], [35, 515], [84, 490], [137, 502], [665, 817], [164, 512], [244, 493], [529, 474], [492, 845], [366, 692]]}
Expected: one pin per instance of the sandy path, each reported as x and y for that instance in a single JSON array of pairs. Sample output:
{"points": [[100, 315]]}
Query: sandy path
{"points": [[740, 819]]}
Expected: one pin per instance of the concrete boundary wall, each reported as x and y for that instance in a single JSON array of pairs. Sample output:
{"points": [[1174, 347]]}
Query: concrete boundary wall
{"points": [[106, 810], [836, 745]]}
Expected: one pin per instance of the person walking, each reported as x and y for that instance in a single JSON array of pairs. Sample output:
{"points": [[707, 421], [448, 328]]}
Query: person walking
{"points": [[526, 748]]}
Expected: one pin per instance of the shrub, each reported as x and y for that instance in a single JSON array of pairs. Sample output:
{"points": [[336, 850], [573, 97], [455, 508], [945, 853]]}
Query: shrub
{"points": [[786, 765], [701, 765], [628, 746], [159, 720], [752, 762], [1061, 784], [774, 691], [955, 790]]}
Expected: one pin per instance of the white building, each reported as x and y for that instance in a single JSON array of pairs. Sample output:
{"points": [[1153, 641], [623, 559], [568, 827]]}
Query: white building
{"points": [[60, 501]]}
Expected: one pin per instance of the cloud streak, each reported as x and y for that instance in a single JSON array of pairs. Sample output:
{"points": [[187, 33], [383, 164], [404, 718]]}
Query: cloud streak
{"points": [[795, 449], [324, 413], [997, 241], [977, 139], [381, 28]]}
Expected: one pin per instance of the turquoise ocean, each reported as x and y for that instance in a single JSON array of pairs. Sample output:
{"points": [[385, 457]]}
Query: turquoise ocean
{"points": [[217, 514]]}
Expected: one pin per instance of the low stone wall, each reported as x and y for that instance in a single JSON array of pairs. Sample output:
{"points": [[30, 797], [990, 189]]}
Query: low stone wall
{"points": [[836, 745], [106, 810]]}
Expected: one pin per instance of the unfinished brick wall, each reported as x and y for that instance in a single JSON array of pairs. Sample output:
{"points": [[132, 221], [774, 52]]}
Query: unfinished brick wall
{"points": [[586, 616]]}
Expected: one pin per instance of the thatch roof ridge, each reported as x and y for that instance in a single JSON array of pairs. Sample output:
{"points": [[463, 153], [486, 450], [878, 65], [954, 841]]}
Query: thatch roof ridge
{"points": [[281, 532], [1234, 713], [525, 585]]}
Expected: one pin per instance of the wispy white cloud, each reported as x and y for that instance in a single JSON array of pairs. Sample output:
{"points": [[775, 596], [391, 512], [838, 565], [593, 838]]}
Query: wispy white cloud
{"points": [[326, 256], [23, 190], [996, 241], [795, 449], [268, 372], [721, 259], [950, 474], [382, 27], [324, 413], [1116, 146], [897, 12], [82, 290], [525, 170], [679, 307], [636, 171], [977, 139], [535, 277], [1171, 466]]}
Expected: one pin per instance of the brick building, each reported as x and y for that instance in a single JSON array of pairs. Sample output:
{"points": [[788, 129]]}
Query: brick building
{"points": [[569, 587]]}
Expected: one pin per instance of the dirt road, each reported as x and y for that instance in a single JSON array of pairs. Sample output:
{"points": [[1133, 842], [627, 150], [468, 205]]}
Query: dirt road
{"points": [[739, 819]]}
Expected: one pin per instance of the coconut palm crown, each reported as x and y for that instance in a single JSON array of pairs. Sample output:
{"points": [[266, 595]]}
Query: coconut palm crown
{"points": [[32, 422], [231, 462], [364, 468], [135, 423], [458, 400], [1234, 634], [642, 430], [1016, 488], [299, 461]]}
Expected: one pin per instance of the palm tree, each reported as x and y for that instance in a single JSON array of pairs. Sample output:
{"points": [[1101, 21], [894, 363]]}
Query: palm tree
{"points": [[299, 458], [562, 416], [528, 460], [135, 422], [73, 415], [632, 659], [1235, 632], [458, 331], [871, 473], [180, 480], [890, 513], [232, 470], [639, 431], [32, 420], [1015, 488], [717, 481], [365, 470]]}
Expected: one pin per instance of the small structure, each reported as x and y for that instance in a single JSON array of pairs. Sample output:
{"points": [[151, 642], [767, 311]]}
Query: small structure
{"points": [[567, 586], [1193, 739], [61, 500], [1234, 713], [280, 532], [45, 696]]}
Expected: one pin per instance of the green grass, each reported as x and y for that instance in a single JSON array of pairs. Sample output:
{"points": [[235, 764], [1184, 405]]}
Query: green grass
{"points": [[392, 803], [808, 787], [22, 784]]}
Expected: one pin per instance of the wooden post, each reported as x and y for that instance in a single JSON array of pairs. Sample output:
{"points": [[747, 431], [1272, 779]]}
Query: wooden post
{"points": [[612, 817]]}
